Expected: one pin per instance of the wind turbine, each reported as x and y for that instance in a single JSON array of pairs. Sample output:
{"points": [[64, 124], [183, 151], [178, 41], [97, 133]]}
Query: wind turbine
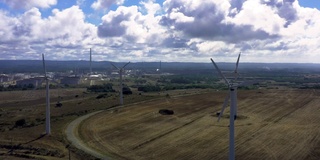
{"points": [[120, 74], [48, 129], [90, 62], [232, 85]]}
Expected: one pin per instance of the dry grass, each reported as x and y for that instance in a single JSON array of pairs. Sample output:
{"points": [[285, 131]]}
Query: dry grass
{"points": [[278, 124], [28, 142]]}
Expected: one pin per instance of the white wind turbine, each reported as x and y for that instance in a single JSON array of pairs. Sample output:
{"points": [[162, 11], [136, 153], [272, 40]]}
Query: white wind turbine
{"points": [[121, 70], [48, 128], [90, 62], [232, 85]]}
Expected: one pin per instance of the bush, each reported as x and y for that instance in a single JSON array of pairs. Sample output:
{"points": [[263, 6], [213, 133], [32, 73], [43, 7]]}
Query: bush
{"points": [[149, 88], [101, 88], [126, 90], [58, 104], [101, 96], [20, 123], [166, 112]]}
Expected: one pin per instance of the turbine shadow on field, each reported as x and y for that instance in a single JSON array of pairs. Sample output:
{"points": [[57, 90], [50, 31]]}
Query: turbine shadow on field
{"points": [[166, 133], [227, 116], [41, 136]]}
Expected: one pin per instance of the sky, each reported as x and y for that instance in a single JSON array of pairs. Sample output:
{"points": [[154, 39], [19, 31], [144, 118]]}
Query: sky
{"points": [[271, 31]]}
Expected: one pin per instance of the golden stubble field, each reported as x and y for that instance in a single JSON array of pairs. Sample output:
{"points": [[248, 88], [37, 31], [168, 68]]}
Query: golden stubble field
{"points": [[29, 142], [272, 124]]}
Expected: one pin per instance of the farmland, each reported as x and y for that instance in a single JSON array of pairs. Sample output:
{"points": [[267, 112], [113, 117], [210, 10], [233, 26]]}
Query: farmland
{"points": [[272, 124], [22, 119], [26, 139], [277, 117]]}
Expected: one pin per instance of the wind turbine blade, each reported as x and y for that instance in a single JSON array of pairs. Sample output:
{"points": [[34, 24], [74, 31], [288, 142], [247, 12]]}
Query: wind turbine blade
{"points": [[44, 66], [125, 65], [57, 83], [115, 66], [219, 71], [225, 103], [39, 84], [236, 70]]}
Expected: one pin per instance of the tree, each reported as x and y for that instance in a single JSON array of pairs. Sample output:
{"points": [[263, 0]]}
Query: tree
{"points": [[101, 88], [126, 90]]}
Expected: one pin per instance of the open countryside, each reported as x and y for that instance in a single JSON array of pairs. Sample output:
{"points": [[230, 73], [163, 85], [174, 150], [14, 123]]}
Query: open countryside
{"points": [[159, 79], [271, 124], [277, 114]]}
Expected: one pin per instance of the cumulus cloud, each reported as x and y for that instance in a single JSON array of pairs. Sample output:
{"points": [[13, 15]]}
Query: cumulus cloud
{"points": [[209, 20], [30, 33], [221, 28], [27, 4], [150, 7], [113, 23], [285, 9], [132, 26], [177, 30], [105, 4]]}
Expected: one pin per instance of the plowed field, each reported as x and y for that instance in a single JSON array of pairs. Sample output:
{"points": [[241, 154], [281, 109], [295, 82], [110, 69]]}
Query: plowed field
{"points": [[272, 124]]}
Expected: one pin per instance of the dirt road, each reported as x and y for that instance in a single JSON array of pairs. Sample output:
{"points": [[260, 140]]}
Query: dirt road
{"points": [[72, 135]]}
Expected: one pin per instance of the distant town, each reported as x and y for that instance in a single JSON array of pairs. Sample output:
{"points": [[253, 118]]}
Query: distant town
{"points": [[72, 77], [30, 75]]}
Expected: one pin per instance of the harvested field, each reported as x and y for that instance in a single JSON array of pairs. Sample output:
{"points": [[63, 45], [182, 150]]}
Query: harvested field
{"points": [[27, 141], [272, 124]]}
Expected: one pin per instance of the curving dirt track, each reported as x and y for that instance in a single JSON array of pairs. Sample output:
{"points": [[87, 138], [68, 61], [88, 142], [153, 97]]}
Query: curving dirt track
{"points": [[73, 137], [272, 124]]}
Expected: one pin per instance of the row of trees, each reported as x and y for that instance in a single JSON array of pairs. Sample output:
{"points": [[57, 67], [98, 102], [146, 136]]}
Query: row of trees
{"points": [[188, 79], [107, 88], [101, 88], [16, 87]]}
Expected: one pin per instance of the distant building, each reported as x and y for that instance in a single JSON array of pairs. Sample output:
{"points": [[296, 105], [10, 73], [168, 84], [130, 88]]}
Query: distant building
{"points": [[70, 80], [95, 76], [125, 73], [19, 76], [4, 78], [35, 82]]}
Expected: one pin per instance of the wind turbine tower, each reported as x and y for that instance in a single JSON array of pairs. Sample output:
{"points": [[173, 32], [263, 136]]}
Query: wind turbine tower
{"points": [[90, 62], [121, 71], [232, 85], [48, 128]]}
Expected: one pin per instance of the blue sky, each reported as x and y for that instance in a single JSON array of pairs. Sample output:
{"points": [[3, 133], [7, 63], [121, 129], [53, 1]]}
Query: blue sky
{"points": [[310, 3], [167, 30]]}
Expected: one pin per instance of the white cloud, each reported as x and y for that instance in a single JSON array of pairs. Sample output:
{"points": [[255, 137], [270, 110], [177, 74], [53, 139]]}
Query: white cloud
{"points": [[179, 30], [27, 4], [132, 26], [32, 34], [105, 4], [208, 20], [6, 26], [260, 17], [212, 48], [150, 7]]}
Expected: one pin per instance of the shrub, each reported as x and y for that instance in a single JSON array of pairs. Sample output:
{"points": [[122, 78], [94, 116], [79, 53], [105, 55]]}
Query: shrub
{"points": [[126, 90], [101, 96], [149, 88], [20, 122], [166, 112], [101, 88]]}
